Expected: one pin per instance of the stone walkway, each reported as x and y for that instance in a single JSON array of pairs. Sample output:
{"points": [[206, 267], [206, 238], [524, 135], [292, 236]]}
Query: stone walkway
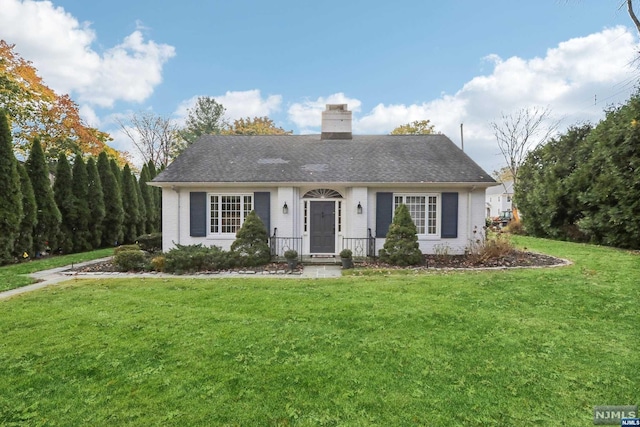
{"points": [[61, 274]]}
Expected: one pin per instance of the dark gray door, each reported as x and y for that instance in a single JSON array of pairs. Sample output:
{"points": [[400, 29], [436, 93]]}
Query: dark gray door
{"points": [[322, 227]]}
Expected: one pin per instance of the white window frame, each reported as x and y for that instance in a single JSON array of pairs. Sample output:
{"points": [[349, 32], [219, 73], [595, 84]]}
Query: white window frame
{"points": [[436, 213], [245, 208]]}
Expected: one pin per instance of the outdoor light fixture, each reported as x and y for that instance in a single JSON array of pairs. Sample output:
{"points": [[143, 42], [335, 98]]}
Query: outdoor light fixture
{"points": [[285, 208], [359, 209]]}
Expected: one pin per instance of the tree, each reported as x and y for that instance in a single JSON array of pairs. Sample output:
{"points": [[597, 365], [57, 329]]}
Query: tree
{"points": [[205, 118], [142, 208], [112, 232], [10, 194], [65, 200], [632, 14], [80, 188], [37, 111], [129, 206], [256, 126], [157, 196], [96, 207], [401, 246], [517, 133], [251, 242], [24, 242], [148, 197], [155, 137], [548, 192], [417, 127], [46, 230]]}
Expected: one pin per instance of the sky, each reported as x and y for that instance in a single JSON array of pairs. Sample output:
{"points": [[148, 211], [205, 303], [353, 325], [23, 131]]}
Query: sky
{"points": [[454, 62]]}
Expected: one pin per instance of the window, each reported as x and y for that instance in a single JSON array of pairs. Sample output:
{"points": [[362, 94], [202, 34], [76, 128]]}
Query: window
{"points": [[423, 210], [228, 212]]}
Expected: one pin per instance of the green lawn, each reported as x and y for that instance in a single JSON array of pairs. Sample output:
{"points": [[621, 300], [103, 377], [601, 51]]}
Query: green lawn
{"points": [[504, 348], [14, 276]]}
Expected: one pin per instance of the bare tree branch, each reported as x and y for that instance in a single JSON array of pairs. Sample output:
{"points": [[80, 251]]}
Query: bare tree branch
{"points": [[518, 133], [153, 136], [632, 14]]}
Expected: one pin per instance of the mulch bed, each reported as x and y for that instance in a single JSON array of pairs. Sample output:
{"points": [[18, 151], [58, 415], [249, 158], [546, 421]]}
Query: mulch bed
{"points": [[513, 259]]}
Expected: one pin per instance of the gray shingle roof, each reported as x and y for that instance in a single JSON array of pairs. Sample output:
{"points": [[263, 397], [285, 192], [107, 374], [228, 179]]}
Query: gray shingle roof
{"points": [[307, 158]]}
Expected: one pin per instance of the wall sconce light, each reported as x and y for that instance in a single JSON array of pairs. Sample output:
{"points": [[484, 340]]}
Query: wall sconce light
{"points": [[285, 208], [359, 209]]}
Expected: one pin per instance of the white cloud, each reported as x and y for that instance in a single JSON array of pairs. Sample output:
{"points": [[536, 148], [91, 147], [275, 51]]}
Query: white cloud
{"points": [[238, 104], [565, 80], [61, 49]]}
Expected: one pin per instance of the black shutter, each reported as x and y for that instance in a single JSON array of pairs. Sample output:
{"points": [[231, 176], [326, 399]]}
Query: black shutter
{"points": [[198, 214], [262, 206], [449, 226], [384, 213]]}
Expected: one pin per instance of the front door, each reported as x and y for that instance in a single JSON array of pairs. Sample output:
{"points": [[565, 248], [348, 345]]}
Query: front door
{"points": [[322, 227]]}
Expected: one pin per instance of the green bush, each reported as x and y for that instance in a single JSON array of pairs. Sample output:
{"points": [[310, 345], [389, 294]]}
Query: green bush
{"points": [[251, 244], [150, 242], [401, 245], [192, 258], [131, 260], [126, 248]]}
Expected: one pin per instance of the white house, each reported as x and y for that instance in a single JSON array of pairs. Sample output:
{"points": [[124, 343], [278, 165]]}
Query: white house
{"points": [[321, 193], [498, 199]]}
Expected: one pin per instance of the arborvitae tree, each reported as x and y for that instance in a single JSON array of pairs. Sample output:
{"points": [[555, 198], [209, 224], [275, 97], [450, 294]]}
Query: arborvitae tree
{"points": [[10, 195], [66, 202], [251, 242], [130, 206], [46, 230], [117, 172], [80, 189], [95, 196], [112, 232], [24, 242], [401, 245], [142, 208], [157, 196], [148, 198]]}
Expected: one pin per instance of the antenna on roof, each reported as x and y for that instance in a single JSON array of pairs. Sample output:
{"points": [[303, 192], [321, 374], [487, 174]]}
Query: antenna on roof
{"points": [[461, 137]]}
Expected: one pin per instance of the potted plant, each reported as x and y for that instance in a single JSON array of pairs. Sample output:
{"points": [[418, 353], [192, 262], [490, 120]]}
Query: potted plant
{"points": [[347, 258], [292, 258]]}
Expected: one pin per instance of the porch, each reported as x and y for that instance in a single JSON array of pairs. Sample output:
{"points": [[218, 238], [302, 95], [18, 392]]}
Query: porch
{"points": [[362, 248]]}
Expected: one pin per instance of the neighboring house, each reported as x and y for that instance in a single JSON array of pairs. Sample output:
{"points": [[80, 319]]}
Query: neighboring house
{"points": [[318, 194], [498, 199]]}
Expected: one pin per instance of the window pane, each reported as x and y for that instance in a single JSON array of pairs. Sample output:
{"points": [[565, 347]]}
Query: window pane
{"points": [[432, 217], [230, 214], [215, 224]]}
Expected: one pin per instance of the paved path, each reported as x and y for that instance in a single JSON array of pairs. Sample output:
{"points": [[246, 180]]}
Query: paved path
{"points": [[61, 274]]}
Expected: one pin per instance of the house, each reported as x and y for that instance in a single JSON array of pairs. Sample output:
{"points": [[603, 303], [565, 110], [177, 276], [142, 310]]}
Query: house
{"points": [[498, 199], [319, 194]]}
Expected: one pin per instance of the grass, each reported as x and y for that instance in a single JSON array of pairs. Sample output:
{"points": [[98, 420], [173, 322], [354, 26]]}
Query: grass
{"points": [[522, 347], [14, 276]]}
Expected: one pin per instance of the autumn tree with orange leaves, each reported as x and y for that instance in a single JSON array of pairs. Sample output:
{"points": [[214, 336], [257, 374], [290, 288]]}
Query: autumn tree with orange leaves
{"points": [[35, 110]]}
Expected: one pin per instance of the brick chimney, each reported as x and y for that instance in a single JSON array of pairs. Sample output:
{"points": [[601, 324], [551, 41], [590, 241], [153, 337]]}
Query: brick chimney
{"points": [[336, 122]]}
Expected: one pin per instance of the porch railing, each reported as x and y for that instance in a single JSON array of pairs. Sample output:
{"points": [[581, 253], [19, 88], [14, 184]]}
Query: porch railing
{"points": [[279, 245], [361, 247]]}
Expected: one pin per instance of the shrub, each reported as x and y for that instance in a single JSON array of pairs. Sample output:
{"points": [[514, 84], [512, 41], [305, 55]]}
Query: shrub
{"points": [[484, 249], [515, 227], [126, 248], [291, 254], [346, 253], [157, 263], [130, 260], [401, 245], [251, 244], [150, 242], [190, 258]]}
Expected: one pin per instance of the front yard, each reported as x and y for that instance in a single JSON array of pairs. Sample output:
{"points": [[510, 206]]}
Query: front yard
{"points": [[520, 347]]}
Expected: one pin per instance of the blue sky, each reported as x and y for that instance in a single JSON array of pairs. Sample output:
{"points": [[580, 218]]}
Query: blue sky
{"points": [[392, 62]]}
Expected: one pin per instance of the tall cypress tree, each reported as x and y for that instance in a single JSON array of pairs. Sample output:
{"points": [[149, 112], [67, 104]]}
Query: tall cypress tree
{"points": [[148, 196], [130, 206], [46, 230], [10, 195], [95, 196], [157, 197], [65, 200], [142, 208], [80, 189], [112, 233], [24, 241]]}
